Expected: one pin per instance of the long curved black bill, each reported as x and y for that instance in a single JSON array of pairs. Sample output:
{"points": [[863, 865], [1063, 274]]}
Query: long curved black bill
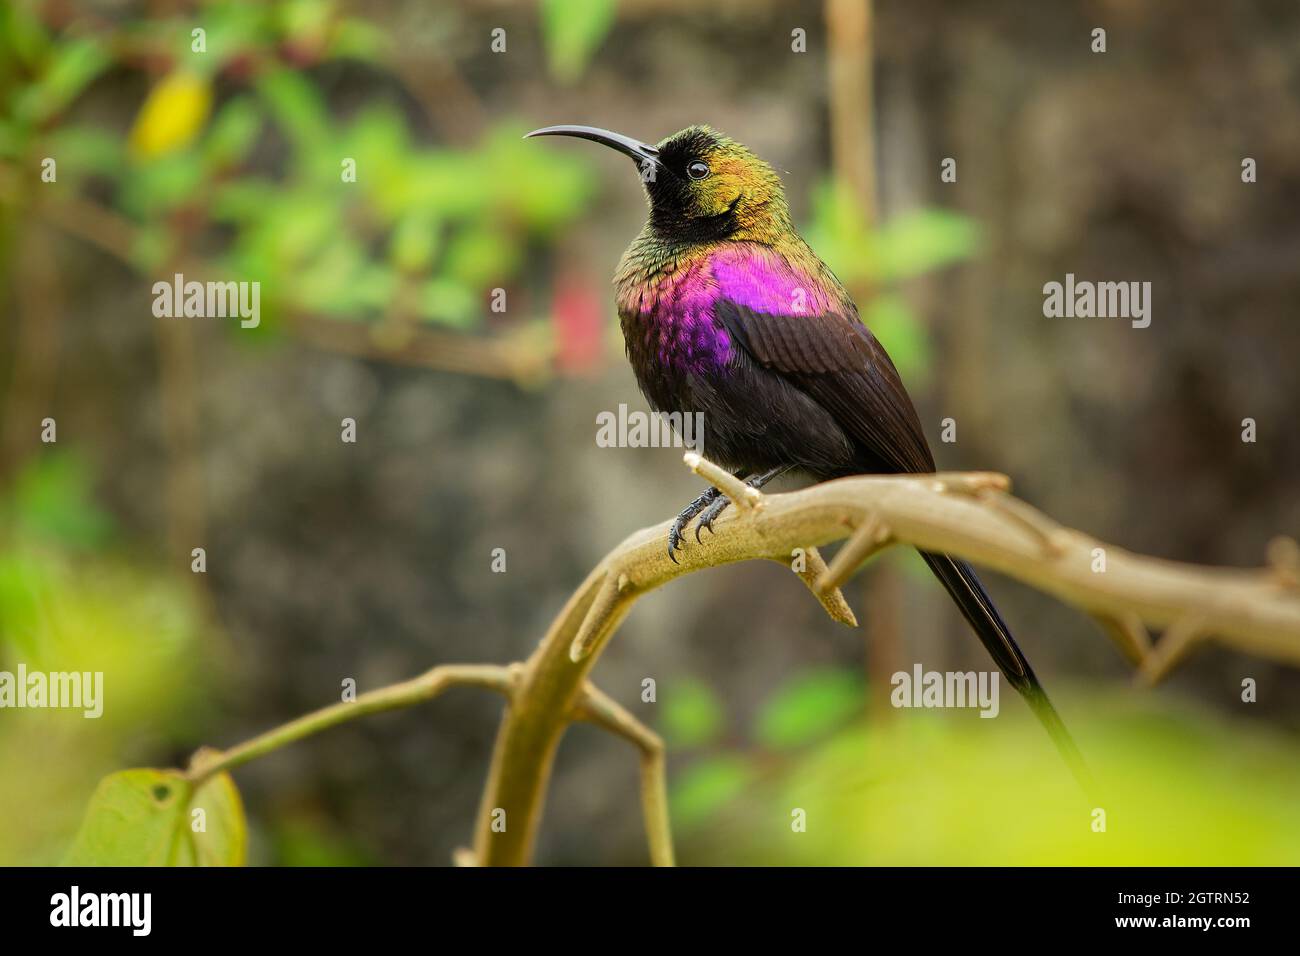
{"points": [[640, 153]]}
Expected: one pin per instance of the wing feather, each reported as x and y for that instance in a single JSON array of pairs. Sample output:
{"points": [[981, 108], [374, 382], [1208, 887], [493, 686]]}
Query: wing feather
{"points": [[837, 362]]}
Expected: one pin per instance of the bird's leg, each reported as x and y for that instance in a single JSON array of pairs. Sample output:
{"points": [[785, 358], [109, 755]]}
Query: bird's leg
{"points": [[687, 513], [720, 503]]}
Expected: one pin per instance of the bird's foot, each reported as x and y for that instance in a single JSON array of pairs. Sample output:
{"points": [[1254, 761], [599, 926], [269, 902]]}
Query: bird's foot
{"points": [[684, 518], [711, 512], [710, 515]]}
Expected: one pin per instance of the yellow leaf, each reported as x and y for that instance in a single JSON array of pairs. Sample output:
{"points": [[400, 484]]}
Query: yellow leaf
{"points": [[172, 115]]}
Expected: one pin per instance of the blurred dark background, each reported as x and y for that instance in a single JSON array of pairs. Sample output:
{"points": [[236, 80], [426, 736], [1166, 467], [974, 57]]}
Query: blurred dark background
{"points": [[476, 430]]}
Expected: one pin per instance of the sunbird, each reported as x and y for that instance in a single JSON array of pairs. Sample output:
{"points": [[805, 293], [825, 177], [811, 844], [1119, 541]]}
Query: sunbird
{"points": [[727, 311]]}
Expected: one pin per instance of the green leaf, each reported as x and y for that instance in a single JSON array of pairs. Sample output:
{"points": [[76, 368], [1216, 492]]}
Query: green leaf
{"points": [[75, 64], [808, 707], [573, 29], [22, 33], [909, 245], [244, 200], [148, 817], [449, 302], [165, 184], [480, 256], [233, 133], [707, 786], [298, 108], [52, 499], [541, 187], [922, 241], [901, 333], [356, 39], [692, 715], [97, 151], [413, 242], [13, 139]]}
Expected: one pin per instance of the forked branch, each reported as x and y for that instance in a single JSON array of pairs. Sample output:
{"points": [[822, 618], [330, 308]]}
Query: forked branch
{"points": [[428, 685], [971, 516]]}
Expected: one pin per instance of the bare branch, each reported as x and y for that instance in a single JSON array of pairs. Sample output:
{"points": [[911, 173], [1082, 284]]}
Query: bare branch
{"points": [[207, 762], [603, 711], [969, 516]]}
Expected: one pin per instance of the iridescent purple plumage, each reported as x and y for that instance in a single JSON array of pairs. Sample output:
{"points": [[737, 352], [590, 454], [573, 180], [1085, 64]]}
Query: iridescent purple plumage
{"points": [[672, 313]]}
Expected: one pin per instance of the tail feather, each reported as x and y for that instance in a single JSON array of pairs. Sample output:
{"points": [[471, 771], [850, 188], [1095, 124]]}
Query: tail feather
{"points": [[959, 579]]}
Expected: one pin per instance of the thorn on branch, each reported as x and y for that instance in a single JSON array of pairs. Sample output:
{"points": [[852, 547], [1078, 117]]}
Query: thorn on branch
{"points": [[832, 598], [977, 483], [1284, 562], [1173, 646], [1129, 634], [871, 536]]}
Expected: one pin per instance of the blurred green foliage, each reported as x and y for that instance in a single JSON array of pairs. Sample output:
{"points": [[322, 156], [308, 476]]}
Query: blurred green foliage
{"points": [[70, 603], [573, 30], [933, 787], [810, 705], [692, 715], [157, 818], [352, 218], [877, 260]]}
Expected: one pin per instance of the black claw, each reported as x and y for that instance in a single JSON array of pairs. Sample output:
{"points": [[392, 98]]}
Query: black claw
{"points": [[690, 511], [675, 537], [709, 516]]}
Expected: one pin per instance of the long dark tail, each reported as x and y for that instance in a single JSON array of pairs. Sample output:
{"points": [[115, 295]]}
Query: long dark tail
{"points": [[960, 581]]}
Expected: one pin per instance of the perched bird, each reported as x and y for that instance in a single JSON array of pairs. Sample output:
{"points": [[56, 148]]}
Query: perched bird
{"points": [[726, 311]]}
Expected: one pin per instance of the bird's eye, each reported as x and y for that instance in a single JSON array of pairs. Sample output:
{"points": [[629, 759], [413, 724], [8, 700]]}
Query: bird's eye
{"points": [[697, 170]]}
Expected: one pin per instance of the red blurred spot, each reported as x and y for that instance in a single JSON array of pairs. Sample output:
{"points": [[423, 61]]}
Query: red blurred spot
{"points": [[578, 314]]}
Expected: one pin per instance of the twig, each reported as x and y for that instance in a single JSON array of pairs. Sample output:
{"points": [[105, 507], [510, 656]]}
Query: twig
{"points": [[207, 762], [601, 710], [744, 497], [868, 538]]}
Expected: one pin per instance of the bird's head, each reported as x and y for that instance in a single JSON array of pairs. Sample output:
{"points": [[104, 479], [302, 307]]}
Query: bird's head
{"points": [[702, 186]]}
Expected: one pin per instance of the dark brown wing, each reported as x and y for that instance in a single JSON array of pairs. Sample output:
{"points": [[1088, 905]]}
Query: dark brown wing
{"points": [[837, 362]]}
